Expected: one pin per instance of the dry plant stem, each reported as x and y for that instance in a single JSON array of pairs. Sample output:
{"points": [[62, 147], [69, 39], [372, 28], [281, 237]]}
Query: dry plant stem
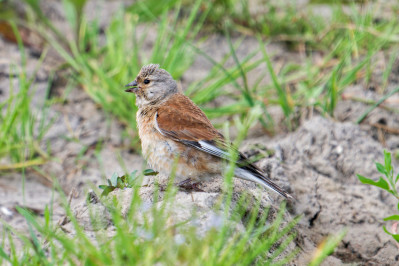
{"points": [[386, 128], [22, 164], [381, 137], [63, 220], [351, 97], [352, 27], [47, 179]]}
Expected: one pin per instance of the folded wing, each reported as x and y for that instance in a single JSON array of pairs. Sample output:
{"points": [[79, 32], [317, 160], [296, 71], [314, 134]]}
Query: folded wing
{"points": [[181, 120]]}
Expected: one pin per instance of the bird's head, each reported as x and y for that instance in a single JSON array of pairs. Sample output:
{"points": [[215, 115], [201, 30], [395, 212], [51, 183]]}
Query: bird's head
{"points": [[152, 85]]}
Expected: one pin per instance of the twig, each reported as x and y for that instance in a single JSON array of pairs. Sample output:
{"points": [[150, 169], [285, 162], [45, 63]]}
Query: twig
{"points": [[386, 128], [22, 164], [351, 97]]}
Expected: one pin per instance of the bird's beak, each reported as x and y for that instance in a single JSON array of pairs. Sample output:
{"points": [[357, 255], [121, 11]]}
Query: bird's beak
{"points": [[132, 86]]}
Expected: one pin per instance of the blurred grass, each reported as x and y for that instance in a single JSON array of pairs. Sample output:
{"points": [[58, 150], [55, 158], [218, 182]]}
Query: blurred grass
{"points": [[148, 238], [335, 52], [151, 234], [103, 68], [22, 126]]}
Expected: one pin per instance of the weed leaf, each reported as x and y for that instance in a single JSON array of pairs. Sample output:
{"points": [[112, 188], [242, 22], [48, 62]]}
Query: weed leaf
{"points": [[114, 179], [107, 190], [381, 168], [396, 237], [392, 218], [102, 186], [148, 172], [381, 183], [119, 183], [387, 158]]}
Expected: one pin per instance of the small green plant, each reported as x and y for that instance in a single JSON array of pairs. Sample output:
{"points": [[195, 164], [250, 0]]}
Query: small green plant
{"points": [[387, 183], [125, 181]]}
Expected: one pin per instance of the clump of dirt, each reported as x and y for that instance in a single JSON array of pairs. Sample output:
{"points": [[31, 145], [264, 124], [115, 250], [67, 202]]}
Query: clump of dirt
{"points": [[198, 209], [320, 161]]}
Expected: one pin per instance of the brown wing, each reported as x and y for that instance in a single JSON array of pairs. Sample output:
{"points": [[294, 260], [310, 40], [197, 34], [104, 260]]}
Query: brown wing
{"points": [[179, 118]]}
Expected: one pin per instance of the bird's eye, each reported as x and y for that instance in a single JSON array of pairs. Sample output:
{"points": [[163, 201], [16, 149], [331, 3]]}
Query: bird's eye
{"points": [[146, 81]]}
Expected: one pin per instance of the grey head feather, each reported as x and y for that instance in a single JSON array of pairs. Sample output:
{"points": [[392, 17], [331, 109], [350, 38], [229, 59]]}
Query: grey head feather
{"points": [[149, 69]]}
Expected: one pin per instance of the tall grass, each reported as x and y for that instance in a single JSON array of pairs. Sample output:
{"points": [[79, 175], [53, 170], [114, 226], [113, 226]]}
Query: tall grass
{"points": [[102, 69], [148, 235], [344, 45], [22, 126], [337, 53]]}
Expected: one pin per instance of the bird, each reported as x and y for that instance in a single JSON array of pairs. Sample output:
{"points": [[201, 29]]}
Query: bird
{"points": [[170, 125]]}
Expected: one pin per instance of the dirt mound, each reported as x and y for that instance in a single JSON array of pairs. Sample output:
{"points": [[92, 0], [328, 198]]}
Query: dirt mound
{"points": [[317, 163], [320, 161]]}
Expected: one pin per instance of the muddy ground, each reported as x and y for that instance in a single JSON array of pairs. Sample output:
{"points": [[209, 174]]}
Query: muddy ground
{"points": [[317, 162]]}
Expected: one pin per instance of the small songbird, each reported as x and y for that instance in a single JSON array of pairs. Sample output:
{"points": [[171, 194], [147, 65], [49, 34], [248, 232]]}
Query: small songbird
{"points": [[171, 126]]}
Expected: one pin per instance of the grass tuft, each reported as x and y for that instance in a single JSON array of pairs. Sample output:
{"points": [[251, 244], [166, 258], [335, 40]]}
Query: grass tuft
{"points": [[22, 126]]}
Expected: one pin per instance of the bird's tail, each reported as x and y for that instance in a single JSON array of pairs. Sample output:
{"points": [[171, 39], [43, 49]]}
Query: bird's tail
{"points": [[259, 178]]}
